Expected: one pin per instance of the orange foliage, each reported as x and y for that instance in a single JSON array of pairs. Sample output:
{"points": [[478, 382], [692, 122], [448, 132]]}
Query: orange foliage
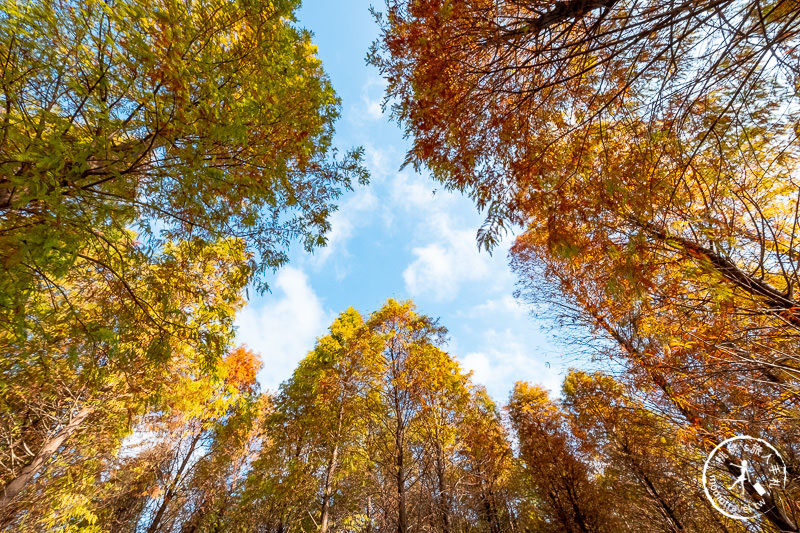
{"points": [[241, 368]]}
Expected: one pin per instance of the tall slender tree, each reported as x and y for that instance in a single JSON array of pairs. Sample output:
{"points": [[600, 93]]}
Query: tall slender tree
{"points": [[561, 480]]}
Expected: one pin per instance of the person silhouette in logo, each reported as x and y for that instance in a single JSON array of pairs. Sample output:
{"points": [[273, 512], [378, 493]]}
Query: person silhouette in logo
{"points": [[743, 475]]}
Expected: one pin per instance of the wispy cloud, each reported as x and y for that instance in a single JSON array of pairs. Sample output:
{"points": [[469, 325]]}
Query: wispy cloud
{"points": [[285, 327], [415, 193], [448, 256], [444, 266], [344, 222], [504, 359], [505, 304], [368, 109]]}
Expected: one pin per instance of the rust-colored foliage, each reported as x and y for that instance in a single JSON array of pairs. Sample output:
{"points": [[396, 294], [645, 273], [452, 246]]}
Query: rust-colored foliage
{"points": [[241, 368]]}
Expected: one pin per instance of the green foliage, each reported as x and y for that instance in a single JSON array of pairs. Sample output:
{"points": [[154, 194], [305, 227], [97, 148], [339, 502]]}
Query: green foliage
{"points": [[155, 159]]}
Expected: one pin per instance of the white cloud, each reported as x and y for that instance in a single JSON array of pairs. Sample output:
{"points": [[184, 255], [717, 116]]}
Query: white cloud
{"points": [[481, 367], [442, 267], [505, 304], [505, 359], [369, 108], [372, 107], [340, 233], [447, 257], [415, 192], [285, 327], [383, 162]]}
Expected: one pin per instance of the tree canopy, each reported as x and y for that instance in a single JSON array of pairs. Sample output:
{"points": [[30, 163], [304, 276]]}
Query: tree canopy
{"points": [[648, 152], [158, 158]]}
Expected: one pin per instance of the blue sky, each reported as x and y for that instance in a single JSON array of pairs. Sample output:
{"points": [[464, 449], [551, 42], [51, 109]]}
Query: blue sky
{"points": [[396, 238]]}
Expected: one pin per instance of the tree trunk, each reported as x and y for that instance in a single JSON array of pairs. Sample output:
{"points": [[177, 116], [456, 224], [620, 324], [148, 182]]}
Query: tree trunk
{"points": [[369, 513], [329, 472], [171, 490], [444, 503], [777, 517], [490, 508], [778, 302], [50, 446], [666, 509], [402, 518], [561, 12]]}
